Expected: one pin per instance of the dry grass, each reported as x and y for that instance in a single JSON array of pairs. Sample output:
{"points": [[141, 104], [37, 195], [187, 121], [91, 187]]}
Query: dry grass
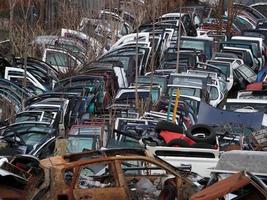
{"points": [[8, 109]]}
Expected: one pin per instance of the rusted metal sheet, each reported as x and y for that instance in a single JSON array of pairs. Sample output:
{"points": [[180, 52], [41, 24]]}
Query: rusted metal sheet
{"points": [[222, 188], [7, 192]]}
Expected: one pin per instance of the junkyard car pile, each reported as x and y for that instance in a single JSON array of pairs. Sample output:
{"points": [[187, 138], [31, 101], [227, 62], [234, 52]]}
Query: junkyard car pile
{"points": [[136, 123]]}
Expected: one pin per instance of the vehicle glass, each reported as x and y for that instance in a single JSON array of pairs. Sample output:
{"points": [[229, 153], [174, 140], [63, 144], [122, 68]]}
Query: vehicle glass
{"points": [[47, 150], [14, 96], [253, 42], [242, 24], [186, 21], [29, 85], [125, 142], [247, 59], [245, 46], [195, 92], [199, 45], [187, 81], [124, 30], [98, 175], [246, 71], [81, 91], [48, 117], [86, 131], [225, 67], [223, 86], [33, 138], [60, 59], [193, 103], [28, 117], [71, 48], [252, 106], [78, 144], [39, 74], [131, 95], [15, 73], [214, 94]]}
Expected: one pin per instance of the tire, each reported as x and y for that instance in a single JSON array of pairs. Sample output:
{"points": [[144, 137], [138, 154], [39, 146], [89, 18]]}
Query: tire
{"points": [[168, 126], [210, 136], [178, 142]]}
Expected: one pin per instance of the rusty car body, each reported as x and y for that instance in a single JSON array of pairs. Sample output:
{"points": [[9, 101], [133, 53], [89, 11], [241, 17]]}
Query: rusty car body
{"points": [[243, 185], [114, 174]]}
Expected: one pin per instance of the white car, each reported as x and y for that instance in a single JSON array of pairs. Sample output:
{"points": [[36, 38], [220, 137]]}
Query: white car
{"points": [[227, 69], [201, 160], [14, 74]]}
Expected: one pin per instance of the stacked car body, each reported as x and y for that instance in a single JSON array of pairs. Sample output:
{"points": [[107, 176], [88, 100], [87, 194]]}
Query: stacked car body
{"points": [[149, 117]]}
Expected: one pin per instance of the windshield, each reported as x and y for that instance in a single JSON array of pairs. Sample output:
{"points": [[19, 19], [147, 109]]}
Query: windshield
{"points": [[78, 144], [33, 138]]}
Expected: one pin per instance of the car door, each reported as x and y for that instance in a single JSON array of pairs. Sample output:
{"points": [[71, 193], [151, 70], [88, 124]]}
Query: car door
{"points": [[12, 73], [147, 179], [61, 60], [98, 181]]}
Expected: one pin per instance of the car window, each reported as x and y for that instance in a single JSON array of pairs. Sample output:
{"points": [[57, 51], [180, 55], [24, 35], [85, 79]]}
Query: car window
{"points": [[78, 144], [124, 30], [188, 92], [223, 86], [242, 24], [131, 95], [97, 175], [187, 22], [60, 59], [214, 94], [253, 106], [29, 85], [28, 117], [47, 150], [192, 44], [33, 138], [225, 67], [245, 71]]}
